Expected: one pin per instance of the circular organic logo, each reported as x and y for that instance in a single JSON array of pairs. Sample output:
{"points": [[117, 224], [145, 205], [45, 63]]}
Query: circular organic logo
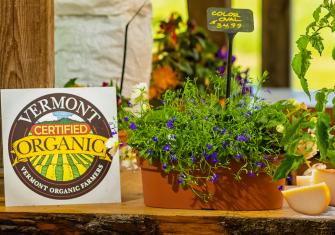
{"points": [[57, 146]]}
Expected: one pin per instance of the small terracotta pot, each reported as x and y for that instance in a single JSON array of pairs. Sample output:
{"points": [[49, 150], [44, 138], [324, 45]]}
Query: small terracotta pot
{"points": [[251, 193]]}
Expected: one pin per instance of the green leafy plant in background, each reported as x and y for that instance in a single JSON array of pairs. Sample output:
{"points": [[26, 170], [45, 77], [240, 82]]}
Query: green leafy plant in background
{"points": [[309, 133], [324, 18], [187, 52]]}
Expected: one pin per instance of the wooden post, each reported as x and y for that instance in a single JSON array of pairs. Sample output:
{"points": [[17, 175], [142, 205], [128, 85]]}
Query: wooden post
{"points": [[276, 41], [26, 45], [197, 11]]}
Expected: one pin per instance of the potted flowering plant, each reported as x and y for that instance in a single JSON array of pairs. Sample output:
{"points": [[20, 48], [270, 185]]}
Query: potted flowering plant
{"points": [[197, 151]]}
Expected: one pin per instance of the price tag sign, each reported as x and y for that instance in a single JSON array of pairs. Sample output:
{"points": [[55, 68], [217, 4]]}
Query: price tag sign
{"points": [[230, 20]]}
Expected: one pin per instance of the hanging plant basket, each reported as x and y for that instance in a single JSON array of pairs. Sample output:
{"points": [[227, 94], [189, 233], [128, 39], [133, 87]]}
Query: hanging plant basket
{"points": [[250, 193]]}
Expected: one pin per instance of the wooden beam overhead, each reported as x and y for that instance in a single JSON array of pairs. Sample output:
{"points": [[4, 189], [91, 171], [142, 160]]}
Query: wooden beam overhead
{"points": [[26, 45], [276, 36], [197, 11]]}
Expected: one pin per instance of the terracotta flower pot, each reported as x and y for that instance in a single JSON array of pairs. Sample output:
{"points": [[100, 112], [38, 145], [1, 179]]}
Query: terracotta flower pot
{"points": [[251, 193]]}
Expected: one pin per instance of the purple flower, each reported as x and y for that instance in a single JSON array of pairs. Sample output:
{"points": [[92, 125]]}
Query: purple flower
{"points": [[133, 126], [192, 158], [226, 144], [206, 118], [246, 90], [239, 156], [150, 151], [126, 119], [183, 176], [215, 128], [206, 156], [281, 188], [268, 90], [166, 147], [114, 133], [129, 104], [221, 70], [260, 165], [170, 124], [223, 131], [174, 119], [209, 146], [214, 178], [180, 181], [223, 54], [251, 174], [121, 145], [164, 166], [214, 157], [238, 77], [266, 157], [241, 138], [155, 139], [248, 114], [173, 157], [289, 178]]}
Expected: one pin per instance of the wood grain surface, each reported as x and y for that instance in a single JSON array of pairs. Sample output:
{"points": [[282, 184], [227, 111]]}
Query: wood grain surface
{"points": [[133, 217], [197, 13], [26, 45]]}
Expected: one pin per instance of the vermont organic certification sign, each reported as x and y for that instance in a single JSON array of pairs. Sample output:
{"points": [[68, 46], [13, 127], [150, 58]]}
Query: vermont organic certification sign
{"points": [[60, 146]]}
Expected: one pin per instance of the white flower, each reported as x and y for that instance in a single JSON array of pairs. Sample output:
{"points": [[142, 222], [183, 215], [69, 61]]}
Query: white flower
{"points": [[129, 164], [138, 90], [280, 128], [109, 143], [139, 99], [307, 148], [171, 137]]}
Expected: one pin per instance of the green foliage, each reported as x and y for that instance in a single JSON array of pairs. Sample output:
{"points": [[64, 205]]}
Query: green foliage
{"points": [[307, 129], [322, 134], [194, 133], [304, 130], [189, 52], [289, 164], [71, 83], [324, 18]]}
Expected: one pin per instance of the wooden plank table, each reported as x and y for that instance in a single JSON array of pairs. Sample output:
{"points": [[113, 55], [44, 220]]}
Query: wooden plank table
{"points": [[132, 217]]}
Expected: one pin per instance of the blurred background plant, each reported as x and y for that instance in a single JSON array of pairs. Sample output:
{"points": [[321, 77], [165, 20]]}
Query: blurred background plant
{"points": [[186, 52]]}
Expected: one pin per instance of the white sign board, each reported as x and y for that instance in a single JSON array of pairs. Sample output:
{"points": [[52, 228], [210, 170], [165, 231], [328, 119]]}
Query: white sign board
{"points": [[60, 146]]}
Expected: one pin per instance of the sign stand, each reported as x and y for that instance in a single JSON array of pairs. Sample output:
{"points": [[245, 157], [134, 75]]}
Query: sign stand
{"points": [[230, 21], [230, 56]]}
